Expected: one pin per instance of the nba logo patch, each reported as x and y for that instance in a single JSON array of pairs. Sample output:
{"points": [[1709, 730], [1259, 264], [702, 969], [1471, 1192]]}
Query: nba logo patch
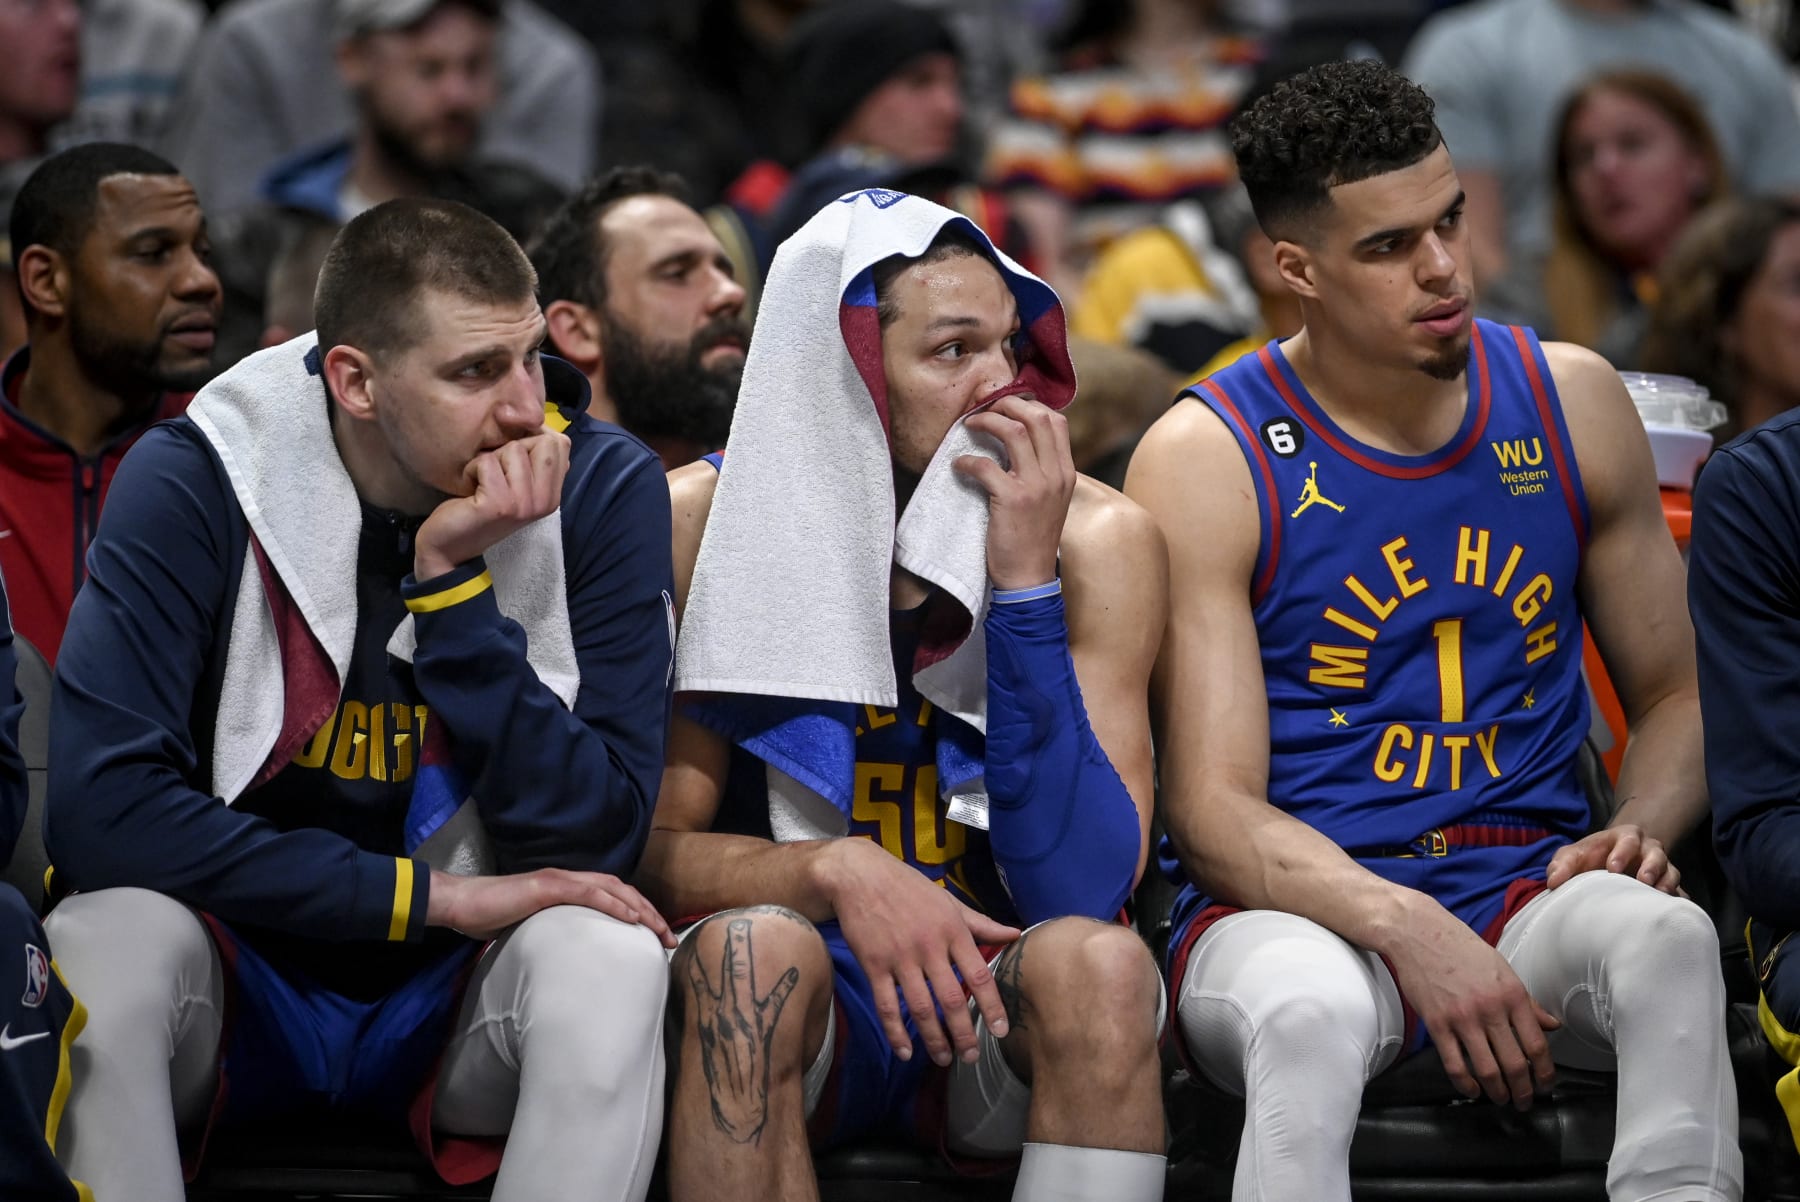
{"points": [[37, 976], [881, 198]]}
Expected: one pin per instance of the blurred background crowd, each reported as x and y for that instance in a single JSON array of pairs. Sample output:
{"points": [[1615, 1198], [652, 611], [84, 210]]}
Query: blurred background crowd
{"points": [[1632, 169]]}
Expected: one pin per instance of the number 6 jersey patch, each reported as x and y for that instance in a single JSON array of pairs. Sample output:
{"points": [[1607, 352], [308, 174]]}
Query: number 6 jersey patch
{"points": [[1283, 436]]}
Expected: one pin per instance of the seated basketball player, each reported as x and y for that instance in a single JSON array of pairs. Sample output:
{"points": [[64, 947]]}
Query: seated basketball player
{"points": [[1385, 534], [832, 672], [39, 1018], [371, 667]]}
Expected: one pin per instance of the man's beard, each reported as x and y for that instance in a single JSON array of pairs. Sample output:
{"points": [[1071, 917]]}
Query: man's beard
{"points": [[665, 391], [129, 369], [1449, 363], [403, 152]]}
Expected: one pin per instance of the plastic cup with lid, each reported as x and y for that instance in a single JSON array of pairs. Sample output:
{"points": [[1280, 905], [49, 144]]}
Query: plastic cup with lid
{"points": [[1677, 414]]}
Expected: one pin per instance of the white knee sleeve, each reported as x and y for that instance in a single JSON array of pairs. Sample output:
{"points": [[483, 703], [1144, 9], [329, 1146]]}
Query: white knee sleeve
{"points": [[1283, 1012], [559, 1045], [1059, 1173], [146, 969], [1634, 976]]}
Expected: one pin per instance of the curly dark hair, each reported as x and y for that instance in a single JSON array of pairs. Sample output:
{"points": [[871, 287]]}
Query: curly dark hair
{"points": [[1333, 124]]}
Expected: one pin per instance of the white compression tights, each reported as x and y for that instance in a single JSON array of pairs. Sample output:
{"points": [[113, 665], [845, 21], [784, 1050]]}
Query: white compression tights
{"points": [[559, 1041], [1278, 1009]]}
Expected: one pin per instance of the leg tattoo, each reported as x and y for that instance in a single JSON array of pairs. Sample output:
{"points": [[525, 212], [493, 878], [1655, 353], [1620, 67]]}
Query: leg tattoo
{"points": [[782, 911], [736, 1032], [1006, 979]]}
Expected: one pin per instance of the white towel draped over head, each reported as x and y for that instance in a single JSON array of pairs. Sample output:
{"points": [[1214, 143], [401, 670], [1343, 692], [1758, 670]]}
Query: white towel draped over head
{"points": [[790, 591]]}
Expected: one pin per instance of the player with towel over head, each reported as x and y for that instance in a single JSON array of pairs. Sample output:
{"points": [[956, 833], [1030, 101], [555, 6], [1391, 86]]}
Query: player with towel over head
{"points": [[911, 723]]}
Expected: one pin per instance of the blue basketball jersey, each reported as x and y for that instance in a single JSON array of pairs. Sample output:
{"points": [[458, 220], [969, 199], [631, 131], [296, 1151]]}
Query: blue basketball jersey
{"points": [[895, 800], [1419, 628]]}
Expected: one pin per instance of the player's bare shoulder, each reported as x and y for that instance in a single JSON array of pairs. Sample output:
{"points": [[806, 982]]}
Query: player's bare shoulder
{"points": [[1578, 371], [1114, 559], [1191, 475], [1190, 424], [1588, 386], [1608, 437], [691, 490], [1106, 527], [1190, 445]]}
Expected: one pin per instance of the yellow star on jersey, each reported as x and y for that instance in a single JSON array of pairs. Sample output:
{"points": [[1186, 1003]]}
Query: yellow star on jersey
{"points": [[1338, 719], [1529, 699]]}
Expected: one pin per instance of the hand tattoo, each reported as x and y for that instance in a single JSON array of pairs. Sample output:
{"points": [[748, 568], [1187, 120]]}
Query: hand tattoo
{"points": [[736, 1032]]}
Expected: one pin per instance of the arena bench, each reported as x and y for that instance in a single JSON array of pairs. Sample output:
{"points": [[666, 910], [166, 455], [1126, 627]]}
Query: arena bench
{"points": [[1416, 1140]]}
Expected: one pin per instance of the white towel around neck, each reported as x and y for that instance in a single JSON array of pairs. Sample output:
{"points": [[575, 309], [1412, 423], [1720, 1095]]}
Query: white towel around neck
{"points": [[267, 421]]}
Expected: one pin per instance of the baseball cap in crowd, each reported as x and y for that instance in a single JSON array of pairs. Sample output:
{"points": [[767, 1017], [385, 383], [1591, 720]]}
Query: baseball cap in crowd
{"points": [[353, 18], [843, 50]]}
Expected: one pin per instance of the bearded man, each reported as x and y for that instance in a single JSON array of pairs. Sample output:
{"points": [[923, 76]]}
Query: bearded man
{"points": [[639, 294]]}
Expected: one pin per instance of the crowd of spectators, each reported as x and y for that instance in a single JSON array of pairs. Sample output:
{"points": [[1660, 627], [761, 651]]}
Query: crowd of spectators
{"points": [[1087, 137]]}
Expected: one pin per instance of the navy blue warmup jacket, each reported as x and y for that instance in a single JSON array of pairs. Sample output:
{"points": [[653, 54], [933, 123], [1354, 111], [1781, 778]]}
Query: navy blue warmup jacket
{"points": [[139, 676]]}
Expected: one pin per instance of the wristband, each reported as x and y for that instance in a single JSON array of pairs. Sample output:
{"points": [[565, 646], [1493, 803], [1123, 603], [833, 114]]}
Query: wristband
{"points": [[1018, 596]]}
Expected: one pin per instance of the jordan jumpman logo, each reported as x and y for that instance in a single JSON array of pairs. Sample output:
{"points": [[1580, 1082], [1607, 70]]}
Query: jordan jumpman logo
{"points": [[1310, 494]]}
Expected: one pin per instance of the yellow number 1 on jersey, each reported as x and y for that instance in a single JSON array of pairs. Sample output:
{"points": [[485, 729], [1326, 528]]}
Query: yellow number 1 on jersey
{"points": [[1448, 634]]}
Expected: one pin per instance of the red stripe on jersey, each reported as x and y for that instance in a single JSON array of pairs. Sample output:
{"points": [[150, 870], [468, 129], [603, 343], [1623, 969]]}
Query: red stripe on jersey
{"points": [[1266, 576], [1558, 455], [1409, 471]]}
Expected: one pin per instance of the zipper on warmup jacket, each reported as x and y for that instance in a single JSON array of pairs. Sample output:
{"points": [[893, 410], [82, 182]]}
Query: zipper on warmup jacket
{"points": [[87, 513]]}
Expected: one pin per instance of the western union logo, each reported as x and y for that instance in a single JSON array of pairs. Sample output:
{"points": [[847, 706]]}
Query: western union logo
{"points": [[1518, 453]]}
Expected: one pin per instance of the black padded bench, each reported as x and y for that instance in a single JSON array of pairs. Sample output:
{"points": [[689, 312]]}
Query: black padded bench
{"points": [[1414, 1141], [342, 1160]]}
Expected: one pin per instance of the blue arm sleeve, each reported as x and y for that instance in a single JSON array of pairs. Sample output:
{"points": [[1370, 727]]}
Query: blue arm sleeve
{"points": [[1744, 594], [1063, 829], [560, 788], [122, 807], [13, 795]]}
